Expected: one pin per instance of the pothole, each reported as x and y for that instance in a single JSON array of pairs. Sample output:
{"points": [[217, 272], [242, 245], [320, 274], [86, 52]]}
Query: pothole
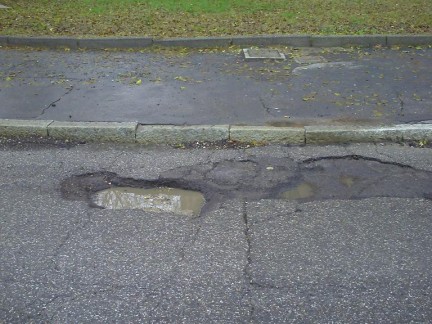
{"points": [[163, 199], [195, 189]]}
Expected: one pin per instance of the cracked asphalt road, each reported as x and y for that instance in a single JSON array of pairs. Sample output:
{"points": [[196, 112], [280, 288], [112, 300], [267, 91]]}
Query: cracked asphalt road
{"points": [[214, 87], [246, 259]]}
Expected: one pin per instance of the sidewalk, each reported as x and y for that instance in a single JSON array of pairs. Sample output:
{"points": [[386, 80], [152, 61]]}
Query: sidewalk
{"points": [[313, 86]]}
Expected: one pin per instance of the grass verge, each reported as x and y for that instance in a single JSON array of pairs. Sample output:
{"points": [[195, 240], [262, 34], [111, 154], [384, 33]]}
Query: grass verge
{"points": [[187, 18]]}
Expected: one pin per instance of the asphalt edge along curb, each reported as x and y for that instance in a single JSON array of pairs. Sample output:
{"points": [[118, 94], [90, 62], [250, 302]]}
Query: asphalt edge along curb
{"points": [[208, 42], [132, 132]]}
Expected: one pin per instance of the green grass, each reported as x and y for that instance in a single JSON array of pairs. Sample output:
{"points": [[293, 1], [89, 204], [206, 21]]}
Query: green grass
{"points": [[182, 18]]}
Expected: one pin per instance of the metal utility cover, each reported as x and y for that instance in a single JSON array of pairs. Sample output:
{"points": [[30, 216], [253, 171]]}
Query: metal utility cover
{"points": [[262, 54]]}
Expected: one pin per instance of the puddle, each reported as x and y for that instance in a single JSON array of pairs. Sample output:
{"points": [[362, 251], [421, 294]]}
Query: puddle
{"points": [[347, 180], [164, 199], [302, 191]]}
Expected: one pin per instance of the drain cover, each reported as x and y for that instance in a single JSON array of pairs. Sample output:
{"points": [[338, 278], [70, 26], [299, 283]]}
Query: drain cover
{"points": [[262, 54]]}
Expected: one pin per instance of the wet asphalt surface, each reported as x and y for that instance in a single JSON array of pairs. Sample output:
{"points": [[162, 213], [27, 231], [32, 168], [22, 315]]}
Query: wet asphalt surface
{"points": [[358, 250], [215, 87]]}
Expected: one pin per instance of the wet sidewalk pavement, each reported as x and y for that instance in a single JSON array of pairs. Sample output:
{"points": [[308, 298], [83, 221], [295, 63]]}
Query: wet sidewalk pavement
{"points": [[174, 86]]}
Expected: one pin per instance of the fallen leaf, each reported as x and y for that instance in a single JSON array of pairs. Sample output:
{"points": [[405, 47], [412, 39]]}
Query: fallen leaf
{"points": [[181, 78]]}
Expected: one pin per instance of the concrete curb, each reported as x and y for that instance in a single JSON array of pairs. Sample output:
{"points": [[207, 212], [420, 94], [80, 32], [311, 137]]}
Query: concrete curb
{"points": [[199, 42], [168, 134], [362, 134], [24, 128], [356, 40], [125, 42], [129, 132], [287, 40], [206, 42], [267, 134], [93, 131]]}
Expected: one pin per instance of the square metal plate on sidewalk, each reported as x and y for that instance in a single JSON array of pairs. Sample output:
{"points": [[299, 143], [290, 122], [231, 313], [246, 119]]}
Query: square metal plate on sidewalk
{"points": [[262, 54]]}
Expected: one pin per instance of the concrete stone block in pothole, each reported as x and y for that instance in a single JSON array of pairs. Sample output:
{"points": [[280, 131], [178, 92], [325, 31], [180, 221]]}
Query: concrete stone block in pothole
{"points": [[287, 40], [199, 42], [267, 134], [12, 128], [93, 131], [121, 42], [365, 134], [409, 40], [169, 134], [347, 40], [51, 42]]}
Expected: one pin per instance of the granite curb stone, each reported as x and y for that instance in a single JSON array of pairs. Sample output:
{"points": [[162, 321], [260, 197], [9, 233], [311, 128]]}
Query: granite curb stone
{"points": [[344, 40], [352, 134], [51, 42], [199, 42], [24, 128], [3, 40], [170, 134], [288, 40], [409, 40], [119, 132], [123, 42], [130, 132], [267, 134]]}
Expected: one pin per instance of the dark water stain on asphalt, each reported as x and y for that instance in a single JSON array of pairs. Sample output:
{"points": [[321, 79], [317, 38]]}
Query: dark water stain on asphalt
{"points": [[356, 177], [341, 177]]}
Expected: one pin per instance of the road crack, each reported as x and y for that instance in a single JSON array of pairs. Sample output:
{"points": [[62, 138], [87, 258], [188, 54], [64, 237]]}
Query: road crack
{"points": [[246, 270], [266, 108], [53, 104], [401, 104], [81, 225], [356, 157]]}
